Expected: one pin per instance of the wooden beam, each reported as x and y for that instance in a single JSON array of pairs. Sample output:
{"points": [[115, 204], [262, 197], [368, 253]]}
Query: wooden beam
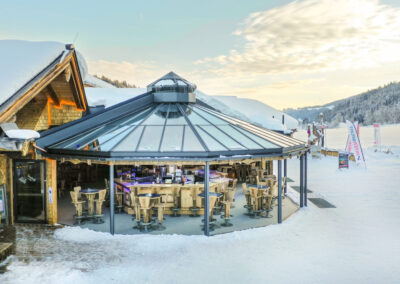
{"points": [[53, 95]]}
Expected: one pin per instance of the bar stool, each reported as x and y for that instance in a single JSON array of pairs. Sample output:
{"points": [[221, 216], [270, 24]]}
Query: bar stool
{"points": [[145, 208], [78, 207], [213, 222], [227, 205], [246, 193], [176, 208], [196, 207], [98, 217], [135, 206], [232, 186], [161, 206], [256, 200], [218, 204], [119, 196]]}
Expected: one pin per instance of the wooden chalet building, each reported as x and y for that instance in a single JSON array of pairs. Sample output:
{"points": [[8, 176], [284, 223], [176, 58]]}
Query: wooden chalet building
{"points": [[40, 87]]}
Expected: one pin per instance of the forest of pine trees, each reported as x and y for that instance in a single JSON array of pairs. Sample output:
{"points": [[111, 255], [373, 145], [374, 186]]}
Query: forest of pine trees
{"points": [[381, 105], [116, 83]]}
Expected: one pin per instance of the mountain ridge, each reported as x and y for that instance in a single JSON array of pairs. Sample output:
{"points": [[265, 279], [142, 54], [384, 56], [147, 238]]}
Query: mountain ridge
{"points": [[379, 105]]}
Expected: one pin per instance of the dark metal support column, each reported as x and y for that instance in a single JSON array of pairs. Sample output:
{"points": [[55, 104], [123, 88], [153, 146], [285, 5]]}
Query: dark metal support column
{"points": [[285, 173], [207, 199], [112, 228], [279, 191], [305, 179], [301, 181]]}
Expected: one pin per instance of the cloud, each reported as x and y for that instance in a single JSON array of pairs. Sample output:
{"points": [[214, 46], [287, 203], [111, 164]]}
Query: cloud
{"points": [[314, 35]]}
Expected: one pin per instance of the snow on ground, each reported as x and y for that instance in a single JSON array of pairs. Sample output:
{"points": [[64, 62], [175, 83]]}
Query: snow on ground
{"points": [[357, 242], [21, 60]]}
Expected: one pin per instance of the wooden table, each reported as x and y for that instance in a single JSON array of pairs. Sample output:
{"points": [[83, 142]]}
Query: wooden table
{"points": [[90, 194]]}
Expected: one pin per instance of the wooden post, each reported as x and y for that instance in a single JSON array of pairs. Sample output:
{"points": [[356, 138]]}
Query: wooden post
{"points": [[51, 191]]}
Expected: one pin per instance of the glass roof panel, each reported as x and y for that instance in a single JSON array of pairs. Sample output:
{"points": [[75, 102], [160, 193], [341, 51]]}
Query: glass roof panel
{"points": [[266, 144], [190, 141], [175, 117], [240, 137], [196, 119], [109, 140], [222, 137], [113, 129], [157, 118], [129, 143], [211, 118], [172, 139], [151, 138], [211, 143]]}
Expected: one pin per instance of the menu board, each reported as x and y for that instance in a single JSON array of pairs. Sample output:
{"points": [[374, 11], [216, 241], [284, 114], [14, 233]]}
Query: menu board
{"points": [[343, 160]]}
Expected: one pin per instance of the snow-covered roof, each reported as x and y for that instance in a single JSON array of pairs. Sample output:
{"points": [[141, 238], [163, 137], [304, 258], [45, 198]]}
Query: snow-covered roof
{"points": [[21, 61], [86, 77], [259, 112]]}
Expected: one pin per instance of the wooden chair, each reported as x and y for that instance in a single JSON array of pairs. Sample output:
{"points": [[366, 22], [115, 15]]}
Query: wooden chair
{"points": [[176, 196], [261, 183], [195, 197], [78, 207], [256, 202], [227, 206], [163, 204], [218, 205], [119, 197], [145, 208], [135, 206], [283, 187], [213, 199], [98, 217], [246, 193], [77, 190], [269, 198]]}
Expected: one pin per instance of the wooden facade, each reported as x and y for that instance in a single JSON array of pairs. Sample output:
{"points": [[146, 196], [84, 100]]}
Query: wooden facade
{"points": [[57, 97]]}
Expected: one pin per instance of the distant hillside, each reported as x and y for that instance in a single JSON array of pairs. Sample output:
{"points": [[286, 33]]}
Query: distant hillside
{"points": [[380, 105], [115, 83]]}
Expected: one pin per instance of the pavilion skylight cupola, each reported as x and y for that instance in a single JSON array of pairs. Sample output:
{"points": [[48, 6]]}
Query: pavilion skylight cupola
{"points": [[171, 88]]}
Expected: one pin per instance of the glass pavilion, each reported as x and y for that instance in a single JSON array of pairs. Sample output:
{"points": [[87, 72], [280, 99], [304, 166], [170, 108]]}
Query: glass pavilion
{"points": [[168, 125]]}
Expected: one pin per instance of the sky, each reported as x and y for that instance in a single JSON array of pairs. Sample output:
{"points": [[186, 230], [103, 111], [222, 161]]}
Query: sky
{"points": [[283, 53]]}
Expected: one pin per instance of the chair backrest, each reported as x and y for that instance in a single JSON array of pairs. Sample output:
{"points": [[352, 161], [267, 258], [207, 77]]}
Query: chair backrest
{"points": [[132, 198], [230, 194], [234, 183], [76, 190], [106, 183], [274, 189], [74, 197], [102, 195], [144, 202], [245, 190]]}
